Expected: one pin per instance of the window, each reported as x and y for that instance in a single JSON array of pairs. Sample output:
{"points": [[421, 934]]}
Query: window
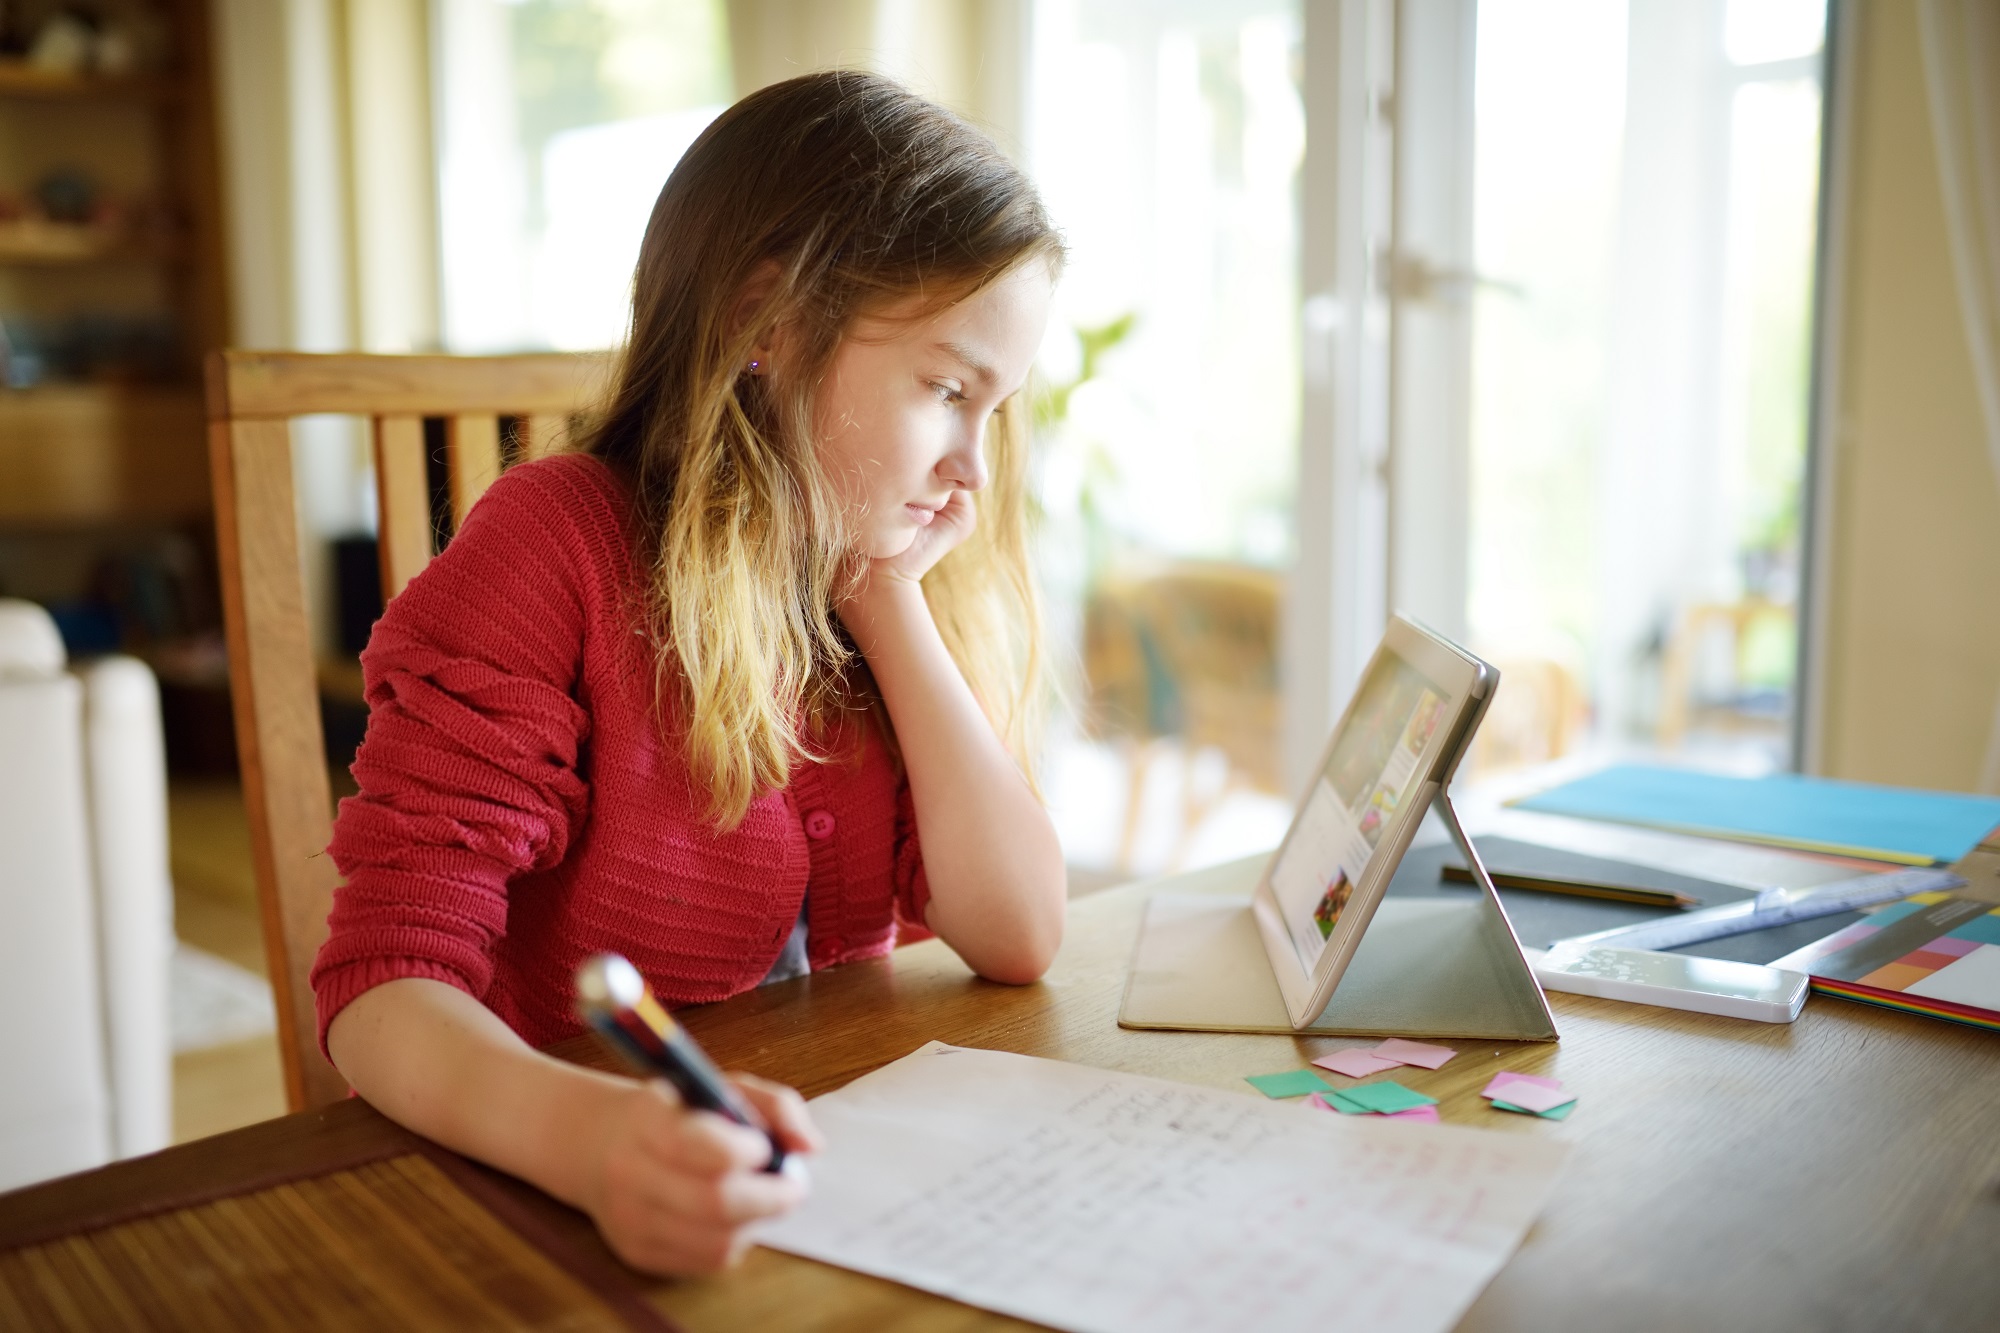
{"points": [[558, 121], [1644, 208], [1167, 140]]}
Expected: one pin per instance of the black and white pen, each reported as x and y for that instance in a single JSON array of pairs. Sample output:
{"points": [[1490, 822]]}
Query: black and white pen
{"points": [[615, 1001]]}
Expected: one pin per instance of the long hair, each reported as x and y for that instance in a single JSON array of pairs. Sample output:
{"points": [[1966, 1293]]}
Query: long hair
{"points": [[860, 195]]}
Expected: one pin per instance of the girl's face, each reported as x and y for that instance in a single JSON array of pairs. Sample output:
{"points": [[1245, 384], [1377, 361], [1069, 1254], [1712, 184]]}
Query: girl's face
{"points": [[902, 412]]}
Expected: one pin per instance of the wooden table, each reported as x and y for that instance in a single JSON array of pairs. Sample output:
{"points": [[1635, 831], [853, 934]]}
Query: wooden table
{"points": [[1839, 1172]]}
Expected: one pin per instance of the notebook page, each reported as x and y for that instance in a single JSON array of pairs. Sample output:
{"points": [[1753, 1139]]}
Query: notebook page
{"points": [[1103, 1202]]}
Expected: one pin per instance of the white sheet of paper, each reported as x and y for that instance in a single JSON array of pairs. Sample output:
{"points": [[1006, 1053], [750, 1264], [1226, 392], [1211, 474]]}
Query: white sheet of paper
{"points": [[1103, 1202]]}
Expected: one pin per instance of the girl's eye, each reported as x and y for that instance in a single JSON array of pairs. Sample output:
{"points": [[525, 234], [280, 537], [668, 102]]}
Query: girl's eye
{"points": [[946, 394]]}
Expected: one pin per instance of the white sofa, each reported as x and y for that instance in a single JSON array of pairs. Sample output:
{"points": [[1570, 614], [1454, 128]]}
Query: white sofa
{"points": [[86, 908]]}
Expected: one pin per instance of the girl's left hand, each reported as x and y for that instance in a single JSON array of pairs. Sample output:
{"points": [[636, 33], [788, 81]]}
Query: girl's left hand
{"points": [[952, 525]]}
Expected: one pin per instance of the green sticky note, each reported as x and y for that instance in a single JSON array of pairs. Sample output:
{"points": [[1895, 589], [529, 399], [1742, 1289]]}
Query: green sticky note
{"points": [[1344, 1106], [1553, 1113], [1291, 1083], [1386, 1097]]}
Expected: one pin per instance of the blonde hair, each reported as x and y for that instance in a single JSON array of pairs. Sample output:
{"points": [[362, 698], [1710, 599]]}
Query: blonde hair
{"points": [[849, 194]]}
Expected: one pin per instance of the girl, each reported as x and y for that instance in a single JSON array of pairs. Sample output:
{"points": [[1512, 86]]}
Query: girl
{"points": [[724, 690]]}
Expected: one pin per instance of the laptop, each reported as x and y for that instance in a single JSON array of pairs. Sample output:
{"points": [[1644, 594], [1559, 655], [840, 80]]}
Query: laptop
{"points": [[1306, 940]]}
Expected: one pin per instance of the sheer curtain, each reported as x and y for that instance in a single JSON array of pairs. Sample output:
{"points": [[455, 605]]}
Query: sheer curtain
{"points": [[557, 121], [1961, 47]]}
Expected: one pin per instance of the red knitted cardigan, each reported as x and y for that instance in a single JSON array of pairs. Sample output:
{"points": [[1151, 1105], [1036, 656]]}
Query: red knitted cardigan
{"points": [[519, 809]]}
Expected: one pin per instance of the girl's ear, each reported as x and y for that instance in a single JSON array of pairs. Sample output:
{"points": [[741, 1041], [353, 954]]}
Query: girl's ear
{"points": [[756, 293]]}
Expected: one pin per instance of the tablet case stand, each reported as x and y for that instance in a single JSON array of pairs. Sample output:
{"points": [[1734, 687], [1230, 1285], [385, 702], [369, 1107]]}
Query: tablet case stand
{"points": [[1425, 967]]}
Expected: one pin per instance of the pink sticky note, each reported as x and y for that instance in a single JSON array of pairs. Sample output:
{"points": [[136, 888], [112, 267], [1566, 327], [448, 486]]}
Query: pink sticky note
{"points": [[1531, 1097], [1355, 1062], [1429, 1113], [1319, 1103], [1504, 1077], [1414, 1053]]}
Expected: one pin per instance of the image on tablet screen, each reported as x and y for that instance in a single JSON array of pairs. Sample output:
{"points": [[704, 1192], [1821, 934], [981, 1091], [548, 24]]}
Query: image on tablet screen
{"points": [[1370, 773]]}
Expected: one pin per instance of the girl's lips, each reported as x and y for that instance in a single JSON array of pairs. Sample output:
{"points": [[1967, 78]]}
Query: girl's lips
{"points": [[922, 515]]}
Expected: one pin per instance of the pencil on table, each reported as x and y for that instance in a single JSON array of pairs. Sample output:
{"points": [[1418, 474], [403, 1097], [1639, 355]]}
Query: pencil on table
{"points": [[1617, 893]]}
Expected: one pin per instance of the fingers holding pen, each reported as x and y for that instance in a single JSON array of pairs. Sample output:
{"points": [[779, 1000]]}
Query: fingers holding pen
{"points": [[685, 1188], [783, 1111], [687, 1164], [702, 1141], [721, 1178]]}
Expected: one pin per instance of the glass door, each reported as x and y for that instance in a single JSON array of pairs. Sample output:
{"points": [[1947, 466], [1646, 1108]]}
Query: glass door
{"points": [[1168, 139], [557, 123], [1635, 290]]}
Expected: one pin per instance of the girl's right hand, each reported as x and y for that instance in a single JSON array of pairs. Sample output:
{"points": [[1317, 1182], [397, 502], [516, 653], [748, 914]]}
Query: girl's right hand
{"points": [[676, 1191]]}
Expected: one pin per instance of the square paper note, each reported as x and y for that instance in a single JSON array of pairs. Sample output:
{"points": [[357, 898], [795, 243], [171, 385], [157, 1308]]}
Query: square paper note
{"points": [[1531, 1096], [1414, 1053], [1424, 1113], [1355, 1062], [1385, 1097], [1290, 1083], [1504, 1077]]}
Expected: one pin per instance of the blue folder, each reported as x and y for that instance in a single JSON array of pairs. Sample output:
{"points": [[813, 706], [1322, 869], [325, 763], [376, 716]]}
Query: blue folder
{"points": [[1897, 824]]}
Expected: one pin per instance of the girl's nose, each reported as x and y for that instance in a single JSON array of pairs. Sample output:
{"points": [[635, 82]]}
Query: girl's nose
{"points": [[964, 468]]}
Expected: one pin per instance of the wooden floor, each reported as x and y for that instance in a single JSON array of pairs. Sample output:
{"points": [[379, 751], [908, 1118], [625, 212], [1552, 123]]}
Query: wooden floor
{"points": [[215, 909]]}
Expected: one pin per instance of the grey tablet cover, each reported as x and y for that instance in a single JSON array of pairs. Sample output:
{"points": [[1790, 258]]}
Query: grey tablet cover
{"points": [[1424, 968]]}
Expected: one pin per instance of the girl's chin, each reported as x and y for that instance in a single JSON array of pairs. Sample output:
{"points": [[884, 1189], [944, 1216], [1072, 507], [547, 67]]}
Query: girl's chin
{"points": [[886, 544]]}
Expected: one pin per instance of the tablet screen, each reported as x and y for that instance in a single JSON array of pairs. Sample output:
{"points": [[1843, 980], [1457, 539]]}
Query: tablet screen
{"points": [[1371, 770]]}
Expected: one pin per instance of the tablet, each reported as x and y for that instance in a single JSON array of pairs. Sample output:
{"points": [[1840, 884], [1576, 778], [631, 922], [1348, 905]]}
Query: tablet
{"points": [[1410, 721]]}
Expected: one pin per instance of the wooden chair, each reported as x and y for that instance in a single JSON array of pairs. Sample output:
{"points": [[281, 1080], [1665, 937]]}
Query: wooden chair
{"points": [[1724, 700], [252, 397], [1537, 716], [1187, 654]]}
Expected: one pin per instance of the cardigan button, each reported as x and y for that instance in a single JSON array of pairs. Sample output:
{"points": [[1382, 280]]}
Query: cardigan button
{"points": [[819, 826]]}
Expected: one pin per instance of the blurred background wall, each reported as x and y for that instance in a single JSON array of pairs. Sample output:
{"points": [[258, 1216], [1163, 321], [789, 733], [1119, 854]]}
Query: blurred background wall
{"points": [[1911, 652]]}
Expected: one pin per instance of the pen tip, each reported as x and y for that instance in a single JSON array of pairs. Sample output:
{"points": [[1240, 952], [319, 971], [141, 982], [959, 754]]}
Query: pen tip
{"points": [[608, 978]]}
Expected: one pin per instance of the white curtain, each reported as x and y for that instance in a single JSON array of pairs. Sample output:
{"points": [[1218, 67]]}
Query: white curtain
{"points": [[291, 209], [967, 54], [1961, 48]]}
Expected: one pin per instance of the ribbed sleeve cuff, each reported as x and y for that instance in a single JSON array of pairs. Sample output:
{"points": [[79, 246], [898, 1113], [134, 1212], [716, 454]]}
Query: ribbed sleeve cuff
{"points": [[334, 988]]}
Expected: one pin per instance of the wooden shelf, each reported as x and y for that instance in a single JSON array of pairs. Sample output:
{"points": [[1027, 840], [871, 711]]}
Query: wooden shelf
{"points": [[100, 453], [20, 79], [89, 457], [32, 241], [340, 680]]}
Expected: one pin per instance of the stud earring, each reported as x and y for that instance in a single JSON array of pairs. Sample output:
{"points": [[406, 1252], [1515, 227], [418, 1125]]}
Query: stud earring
{"points": [[755, 366]]}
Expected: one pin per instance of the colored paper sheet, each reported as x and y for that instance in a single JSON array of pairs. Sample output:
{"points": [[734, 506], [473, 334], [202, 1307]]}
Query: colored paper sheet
{"points": [[1553, 1113], [1417, 1053], [1355, 1062], [1935, 954], [1426, 1113], [1785, 810], [1290, 1083], [1531, 1096], [1334, 1101], [1507, 1076], [1384, 1097]]}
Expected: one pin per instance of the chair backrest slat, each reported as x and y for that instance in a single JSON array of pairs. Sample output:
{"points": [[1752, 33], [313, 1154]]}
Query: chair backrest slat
{"points": [[540, 433], [293, 384], [472, 445], [278, 738], [403, 495], [252, 397]]}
